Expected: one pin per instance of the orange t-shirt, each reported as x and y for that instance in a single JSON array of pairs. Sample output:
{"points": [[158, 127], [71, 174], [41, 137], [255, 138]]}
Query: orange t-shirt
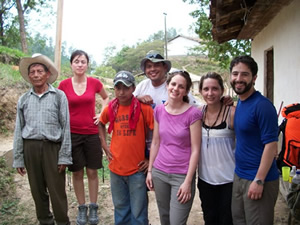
{"points": [[128, 146]]}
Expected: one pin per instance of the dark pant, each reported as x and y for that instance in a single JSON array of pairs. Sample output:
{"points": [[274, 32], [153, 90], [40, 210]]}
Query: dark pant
{"points": [[215, 203], [41, 159]]}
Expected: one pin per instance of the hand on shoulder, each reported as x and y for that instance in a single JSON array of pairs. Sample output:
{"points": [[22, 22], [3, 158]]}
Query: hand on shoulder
{"points": [[146, 99]]}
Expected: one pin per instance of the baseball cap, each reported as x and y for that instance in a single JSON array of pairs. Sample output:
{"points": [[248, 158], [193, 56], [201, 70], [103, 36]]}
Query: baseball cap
{"points": [[124, 77]]}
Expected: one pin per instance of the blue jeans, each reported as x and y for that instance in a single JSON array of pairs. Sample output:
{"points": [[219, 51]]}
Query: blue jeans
{"points": [[130, 198]]}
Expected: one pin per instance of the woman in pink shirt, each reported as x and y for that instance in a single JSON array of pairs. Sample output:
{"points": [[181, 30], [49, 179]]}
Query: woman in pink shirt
{"points": [[81, 92], [175, 151]]}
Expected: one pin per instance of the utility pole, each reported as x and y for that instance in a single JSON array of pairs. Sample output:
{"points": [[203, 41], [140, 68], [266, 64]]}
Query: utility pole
{"points": [[166, 43], [59, 16]]}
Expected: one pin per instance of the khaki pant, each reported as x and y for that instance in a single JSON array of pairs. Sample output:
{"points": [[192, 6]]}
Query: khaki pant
{"points": [[41, 159], [166, 186], [253, 212]]}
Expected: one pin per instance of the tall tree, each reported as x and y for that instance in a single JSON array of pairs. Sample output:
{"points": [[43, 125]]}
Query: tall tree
{"points": [[6, 6], [11, 36], [25, 8], [22, 26], [108, 53], [221, 53]]}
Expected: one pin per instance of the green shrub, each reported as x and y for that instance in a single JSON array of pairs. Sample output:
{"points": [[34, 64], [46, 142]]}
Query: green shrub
{"points": [[11, 56], [10, 211]]}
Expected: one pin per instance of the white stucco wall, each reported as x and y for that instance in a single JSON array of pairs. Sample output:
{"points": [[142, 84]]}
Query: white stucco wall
{"points": [[180, 46], [283, 35]]}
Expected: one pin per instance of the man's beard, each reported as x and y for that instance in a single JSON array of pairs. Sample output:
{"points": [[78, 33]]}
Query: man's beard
{"points": [[242, 91]]}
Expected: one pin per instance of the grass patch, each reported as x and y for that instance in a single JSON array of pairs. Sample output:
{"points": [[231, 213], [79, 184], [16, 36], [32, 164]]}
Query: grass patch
{"points": [[11, 56], [104, 172], [8, 74], [6, 179], [10, 210], [13, 213], [3, 129], [12, 52], [10, 77]]}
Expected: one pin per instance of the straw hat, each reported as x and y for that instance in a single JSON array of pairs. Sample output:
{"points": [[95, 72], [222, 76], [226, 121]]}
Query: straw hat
{"points": [[41, 59]]}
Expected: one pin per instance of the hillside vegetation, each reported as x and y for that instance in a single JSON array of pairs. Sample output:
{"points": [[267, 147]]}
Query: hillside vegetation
{"points": [[12, 84]]}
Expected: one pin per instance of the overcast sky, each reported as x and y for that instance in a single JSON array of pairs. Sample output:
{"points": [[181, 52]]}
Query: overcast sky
{"points": [[93, 25]]}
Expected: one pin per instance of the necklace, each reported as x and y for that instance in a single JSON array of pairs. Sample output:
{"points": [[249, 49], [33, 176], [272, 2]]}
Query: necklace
{"points": [[208, 128]]}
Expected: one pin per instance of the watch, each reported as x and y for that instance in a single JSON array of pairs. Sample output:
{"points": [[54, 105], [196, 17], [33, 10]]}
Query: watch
{"points": [[258, 181]]}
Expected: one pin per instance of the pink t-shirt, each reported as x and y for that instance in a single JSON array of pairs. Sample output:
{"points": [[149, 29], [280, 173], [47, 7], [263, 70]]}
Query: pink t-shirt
{"points": [[175, 139], [82, 108]]}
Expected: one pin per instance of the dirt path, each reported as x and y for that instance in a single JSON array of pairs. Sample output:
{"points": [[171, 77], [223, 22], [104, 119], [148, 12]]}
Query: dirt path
{"points": [[105, 200]]}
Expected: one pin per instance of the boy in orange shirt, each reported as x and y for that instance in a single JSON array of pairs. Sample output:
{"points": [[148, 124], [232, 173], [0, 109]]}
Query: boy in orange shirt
{"points": [[128, 120]]}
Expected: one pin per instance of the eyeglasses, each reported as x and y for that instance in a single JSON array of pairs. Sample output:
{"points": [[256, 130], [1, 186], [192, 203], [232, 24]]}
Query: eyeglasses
{"points": [[40, 72], [155, 56]]}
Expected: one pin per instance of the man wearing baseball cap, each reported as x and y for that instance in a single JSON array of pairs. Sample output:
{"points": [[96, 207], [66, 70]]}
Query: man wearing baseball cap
{"points": [[42, 144], [128, 121]]}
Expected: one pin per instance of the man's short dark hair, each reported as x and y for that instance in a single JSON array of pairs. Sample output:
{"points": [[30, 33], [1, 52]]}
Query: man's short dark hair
{"points": [[34, 64], [248, 60]]}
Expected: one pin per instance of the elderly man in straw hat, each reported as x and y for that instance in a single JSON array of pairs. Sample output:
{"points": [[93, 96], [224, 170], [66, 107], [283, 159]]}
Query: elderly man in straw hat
{"points": [[42, 141]]}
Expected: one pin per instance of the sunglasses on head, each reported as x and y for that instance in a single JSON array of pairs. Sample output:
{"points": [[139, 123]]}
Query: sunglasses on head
{"points": [[155, 56], [180, 72]]}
